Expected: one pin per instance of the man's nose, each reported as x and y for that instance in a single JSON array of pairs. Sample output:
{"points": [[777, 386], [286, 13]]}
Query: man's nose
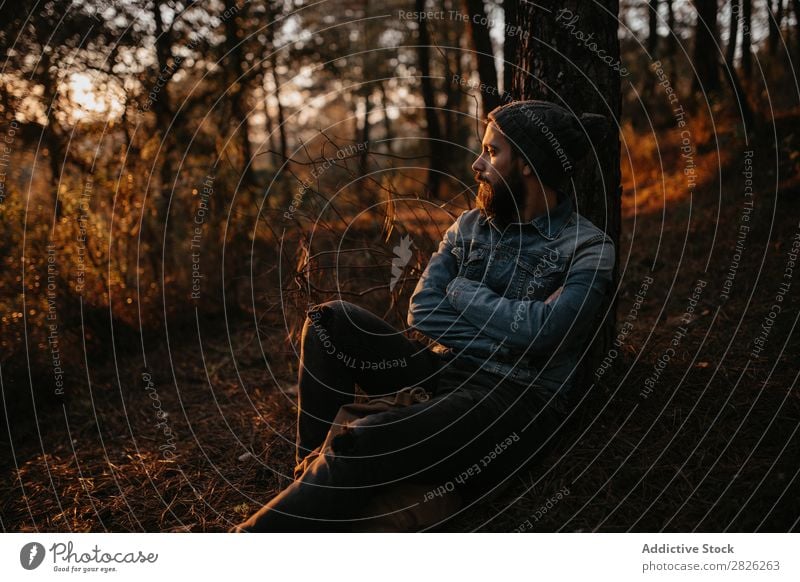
{"points": [[477, 165]]}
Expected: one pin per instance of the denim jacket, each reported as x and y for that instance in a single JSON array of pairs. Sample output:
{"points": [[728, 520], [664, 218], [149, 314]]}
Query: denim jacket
{"points": [[482, 296]]}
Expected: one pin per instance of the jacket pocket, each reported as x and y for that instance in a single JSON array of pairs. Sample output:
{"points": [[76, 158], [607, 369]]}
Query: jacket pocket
{"points": [[471, 261], [537, 276]]}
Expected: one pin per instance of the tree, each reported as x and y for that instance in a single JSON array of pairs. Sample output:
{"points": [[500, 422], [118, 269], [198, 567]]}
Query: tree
{"points": [[428, 96], [796, 9], [730, 70], [733, 32], [747, 55], [162, 106], [652, 46], [774, 9], [484, 54], [276, 82], [672, 37], [455, 131], [652, 32], [705, 56], [43, 44], [511, 42], [238, 76], [554, 65]]}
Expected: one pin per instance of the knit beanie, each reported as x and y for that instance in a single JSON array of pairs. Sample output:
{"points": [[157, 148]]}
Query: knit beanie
{"points": [[549, 138]]}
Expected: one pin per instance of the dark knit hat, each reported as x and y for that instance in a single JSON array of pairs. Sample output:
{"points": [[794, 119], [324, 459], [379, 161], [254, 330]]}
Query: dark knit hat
{"points": [[550, 138]]}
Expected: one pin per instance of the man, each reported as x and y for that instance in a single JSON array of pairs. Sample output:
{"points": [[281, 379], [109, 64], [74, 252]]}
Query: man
{"points": [[508, 302]]}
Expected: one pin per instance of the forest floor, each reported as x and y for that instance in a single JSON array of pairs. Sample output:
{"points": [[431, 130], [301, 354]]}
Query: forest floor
{"points": [[705, 441]]}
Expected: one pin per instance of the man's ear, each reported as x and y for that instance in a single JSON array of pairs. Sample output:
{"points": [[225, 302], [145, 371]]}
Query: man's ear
{"points": [[522, 165]]}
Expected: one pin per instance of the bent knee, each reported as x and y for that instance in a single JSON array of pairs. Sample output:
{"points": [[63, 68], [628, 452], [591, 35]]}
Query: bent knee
{"points": [[327, 311]]}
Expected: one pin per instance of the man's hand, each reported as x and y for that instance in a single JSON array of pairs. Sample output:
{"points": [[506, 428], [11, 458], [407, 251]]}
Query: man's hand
{"points": [[554, 295]]}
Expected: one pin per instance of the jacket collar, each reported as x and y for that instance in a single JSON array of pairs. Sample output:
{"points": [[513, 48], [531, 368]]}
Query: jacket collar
{"points": [[549, 224]]}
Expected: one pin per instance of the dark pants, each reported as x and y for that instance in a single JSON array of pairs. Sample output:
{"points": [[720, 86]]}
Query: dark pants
{"points": [[473, 433]]}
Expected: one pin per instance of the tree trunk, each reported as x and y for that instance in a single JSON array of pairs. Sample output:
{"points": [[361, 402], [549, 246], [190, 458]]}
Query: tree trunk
{"points": [[733, 32], [269, 124], [772, 25], [747, 55], [796, 10], [457, 129], [434, 133], [651, 47], [52, 131], [730, 70], [511, 43], [741, 99], [652, 32], [237, 84], [553, 66], [705, 59], [672, 37], [387, 123], [456, 36], [162, 108], [281, 123], [363, 159], [484, 53]]}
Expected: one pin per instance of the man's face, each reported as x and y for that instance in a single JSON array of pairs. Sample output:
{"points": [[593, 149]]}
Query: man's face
{"points": [[499, 171]]}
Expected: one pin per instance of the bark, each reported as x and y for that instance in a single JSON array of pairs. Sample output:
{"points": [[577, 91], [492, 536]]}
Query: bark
{"points": [[652, 33], [269, 123], [796, 10], [363, 160], [484, 53], [730, 70], [672, 38], [237, 87], [428, 96], [387, 123], [772, 25], [741, 99], [281, 122], [705, 57], [733, 32], [651, 47], [583, 82], [52, 130], [511, 43], [162, 108], [155, 230], [456, 37], [747, 55]]}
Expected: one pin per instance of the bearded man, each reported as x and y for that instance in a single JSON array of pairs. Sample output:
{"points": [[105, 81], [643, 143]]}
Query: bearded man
{"points": [[507, 302]]}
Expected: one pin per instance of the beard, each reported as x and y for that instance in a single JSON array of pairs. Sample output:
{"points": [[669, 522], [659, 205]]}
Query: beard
{"points": [[503, 202]]}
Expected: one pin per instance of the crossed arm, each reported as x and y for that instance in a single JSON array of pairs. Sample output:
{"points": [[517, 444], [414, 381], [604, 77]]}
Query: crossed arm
{"points": [[431, 313], [463, 314]]}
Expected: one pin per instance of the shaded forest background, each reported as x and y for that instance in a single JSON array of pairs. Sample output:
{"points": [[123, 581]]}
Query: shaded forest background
{"points": [[179, 181]]}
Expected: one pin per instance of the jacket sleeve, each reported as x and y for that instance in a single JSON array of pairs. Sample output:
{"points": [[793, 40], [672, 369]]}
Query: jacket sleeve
{"points": [[430, 312], [537, 327]]}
